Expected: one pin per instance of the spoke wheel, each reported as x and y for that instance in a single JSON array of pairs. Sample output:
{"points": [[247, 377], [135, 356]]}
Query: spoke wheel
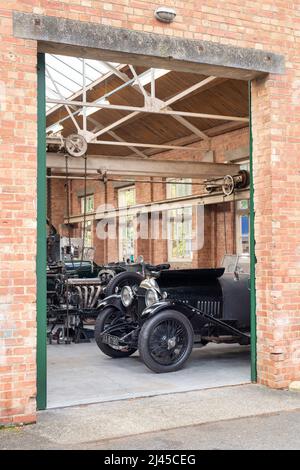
{"points": [[104, 320], [166, 341]]}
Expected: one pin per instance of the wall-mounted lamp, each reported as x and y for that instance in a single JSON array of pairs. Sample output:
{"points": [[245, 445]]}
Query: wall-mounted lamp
{"points": [[165, 14]]}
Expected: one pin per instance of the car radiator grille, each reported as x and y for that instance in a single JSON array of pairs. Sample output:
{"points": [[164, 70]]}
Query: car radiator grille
{"points": [[211, 307]]}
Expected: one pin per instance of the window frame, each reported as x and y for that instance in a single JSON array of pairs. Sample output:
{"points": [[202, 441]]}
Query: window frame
{"points": [[88, 223], [171, 258], [126, 217]]}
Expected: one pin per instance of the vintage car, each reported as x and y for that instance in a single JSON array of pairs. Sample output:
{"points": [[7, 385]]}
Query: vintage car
{"points": [[74, 289], [171, 311]]}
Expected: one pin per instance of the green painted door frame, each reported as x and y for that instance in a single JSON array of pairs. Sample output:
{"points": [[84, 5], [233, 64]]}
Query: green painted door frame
{"points": [[41, 266], [41, 245], [252, 254]]}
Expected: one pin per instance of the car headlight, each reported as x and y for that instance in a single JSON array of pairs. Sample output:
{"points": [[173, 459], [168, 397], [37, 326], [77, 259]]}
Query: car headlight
{"points": [[126, 296], [151, 297]]}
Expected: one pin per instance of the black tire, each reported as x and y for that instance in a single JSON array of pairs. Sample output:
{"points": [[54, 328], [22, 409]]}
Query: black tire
{"points": [[150, 335], [121, 280], [103, 320]]}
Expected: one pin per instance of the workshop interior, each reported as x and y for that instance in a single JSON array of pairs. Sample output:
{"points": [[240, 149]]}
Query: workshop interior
{"points": [[148, 231]]}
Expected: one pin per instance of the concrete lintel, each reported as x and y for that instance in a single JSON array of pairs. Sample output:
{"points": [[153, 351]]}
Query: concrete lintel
{"points": [[102, 42]]}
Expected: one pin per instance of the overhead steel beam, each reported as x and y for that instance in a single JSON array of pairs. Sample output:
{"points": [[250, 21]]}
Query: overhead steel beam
{"points": [[137, 78], [163, 205], [166, 105], [189, 90], [116, 124], [116, 71], [144, 145], [142, 167], [119, 139], [66, 105], [161, 104], [149, 110], [191, 127]]}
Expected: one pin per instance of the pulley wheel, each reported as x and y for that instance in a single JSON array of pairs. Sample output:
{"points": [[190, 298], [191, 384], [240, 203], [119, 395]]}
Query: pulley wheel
{"points": [[76, 145], [228, 185], [244, 179]]}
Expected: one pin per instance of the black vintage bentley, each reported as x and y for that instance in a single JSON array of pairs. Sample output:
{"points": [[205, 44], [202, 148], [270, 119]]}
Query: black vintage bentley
{"points": [[74, 289], [170, 311]]}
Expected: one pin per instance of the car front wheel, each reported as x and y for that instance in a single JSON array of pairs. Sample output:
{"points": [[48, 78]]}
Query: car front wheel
{"points": [[104, 320], [166, 341]]}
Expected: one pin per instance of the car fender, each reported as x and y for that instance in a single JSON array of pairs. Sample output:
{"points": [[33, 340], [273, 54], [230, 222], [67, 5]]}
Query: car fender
{"points": [[111, 301], [186, 309]]}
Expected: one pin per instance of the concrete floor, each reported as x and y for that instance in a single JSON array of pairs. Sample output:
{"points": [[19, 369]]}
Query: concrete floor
{"points": [[81, 374]]}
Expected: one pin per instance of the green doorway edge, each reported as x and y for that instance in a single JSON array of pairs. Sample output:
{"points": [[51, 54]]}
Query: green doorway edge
{"points": [[252, 252], [41, 263]]}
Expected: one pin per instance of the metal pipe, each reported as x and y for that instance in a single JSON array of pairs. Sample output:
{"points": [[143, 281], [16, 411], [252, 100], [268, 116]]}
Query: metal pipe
{"points": [[121, 180], [85, 290], [80, 296], [148, 110], [84, 95], [91, 295], [72, 177], [96, 296]]}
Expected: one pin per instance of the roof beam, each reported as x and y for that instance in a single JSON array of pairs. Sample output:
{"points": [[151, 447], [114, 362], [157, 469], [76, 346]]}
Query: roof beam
{"points": [[142, 167], [136, 109], [137, 78], [138, 144], [161, 103], [164, 104], [191, 127], [116, 71], [59, 94], [116, 124], [189, 90], [119, 139]]}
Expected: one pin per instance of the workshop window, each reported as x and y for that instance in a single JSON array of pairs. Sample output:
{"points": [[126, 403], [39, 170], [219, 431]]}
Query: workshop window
{"points": [[87, 206], [180, 222], [127, 224]]}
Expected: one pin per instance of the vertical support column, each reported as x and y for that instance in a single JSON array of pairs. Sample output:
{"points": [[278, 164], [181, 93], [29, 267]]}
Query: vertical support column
{"points": [[252, 255], [41, 241]]}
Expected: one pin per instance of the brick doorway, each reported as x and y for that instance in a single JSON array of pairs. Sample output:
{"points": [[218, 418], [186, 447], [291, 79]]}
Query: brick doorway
{"points": [[45, 45]]}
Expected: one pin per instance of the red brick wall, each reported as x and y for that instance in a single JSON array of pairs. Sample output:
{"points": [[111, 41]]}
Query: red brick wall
{"points": [[271, 25]]}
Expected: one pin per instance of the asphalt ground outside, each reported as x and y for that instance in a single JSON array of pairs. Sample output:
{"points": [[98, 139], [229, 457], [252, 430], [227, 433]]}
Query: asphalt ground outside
{"points": [[236, 417]]}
